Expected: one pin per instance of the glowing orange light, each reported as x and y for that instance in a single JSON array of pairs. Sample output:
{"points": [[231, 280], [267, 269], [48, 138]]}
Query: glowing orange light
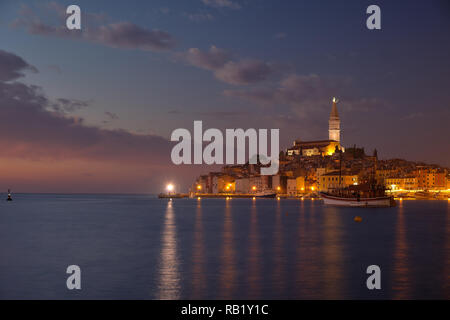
{"points": [[254, 188], [199, 187]]}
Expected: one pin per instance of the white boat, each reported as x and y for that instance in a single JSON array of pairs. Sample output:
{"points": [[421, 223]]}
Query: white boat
{"points": [[333, 200]]}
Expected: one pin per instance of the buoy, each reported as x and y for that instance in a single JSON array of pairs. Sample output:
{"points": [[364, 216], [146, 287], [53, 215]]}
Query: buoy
{"points": [[357, 219], [9, 196]]}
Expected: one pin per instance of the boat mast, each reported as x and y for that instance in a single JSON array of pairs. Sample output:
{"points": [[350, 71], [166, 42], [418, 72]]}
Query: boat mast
{"points": [[340, 167]]}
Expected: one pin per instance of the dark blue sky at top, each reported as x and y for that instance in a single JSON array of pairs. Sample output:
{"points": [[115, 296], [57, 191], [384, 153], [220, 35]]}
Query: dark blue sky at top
{"points": [[403, 70]]}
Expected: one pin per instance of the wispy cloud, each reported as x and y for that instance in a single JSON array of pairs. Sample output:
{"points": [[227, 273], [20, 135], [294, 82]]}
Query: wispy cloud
{"points": [[199, 17], [111, 115], [307, 95], [222, 4], [125, 35], [65, 106], [280, 35], [226, 67]]}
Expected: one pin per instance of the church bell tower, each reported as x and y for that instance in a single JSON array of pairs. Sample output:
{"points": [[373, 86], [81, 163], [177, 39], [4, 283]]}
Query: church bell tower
{"points": [[334, 123]]}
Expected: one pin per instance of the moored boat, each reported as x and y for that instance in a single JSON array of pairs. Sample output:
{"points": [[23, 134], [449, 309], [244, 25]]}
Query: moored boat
{"points": [[357, 201], [367, 194]]}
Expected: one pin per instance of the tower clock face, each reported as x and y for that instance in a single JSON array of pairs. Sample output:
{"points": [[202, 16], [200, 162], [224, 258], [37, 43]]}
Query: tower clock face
{"points": [[224, 150]]}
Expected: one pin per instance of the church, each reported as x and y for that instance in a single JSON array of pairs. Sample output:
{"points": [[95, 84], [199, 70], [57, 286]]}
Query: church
{"points": [[321, 147]]}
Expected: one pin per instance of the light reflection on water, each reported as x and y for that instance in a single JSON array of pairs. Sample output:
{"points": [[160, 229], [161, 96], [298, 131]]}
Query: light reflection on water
{"points": [[446, 269], [254, 256], [307, 254], [169, 284], [332, 255], [279, 255], [139, 247], [401, 282], [227, 269], [198, 278]]}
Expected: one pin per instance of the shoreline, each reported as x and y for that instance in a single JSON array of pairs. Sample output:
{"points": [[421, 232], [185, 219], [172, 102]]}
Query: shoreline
{"points": [[278, 197]]}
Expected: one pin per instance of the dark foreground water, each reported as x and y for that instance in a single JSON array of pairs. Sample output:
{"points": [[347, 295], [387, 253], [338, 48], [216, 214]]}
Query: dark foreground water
{"points": [[139, 247]]}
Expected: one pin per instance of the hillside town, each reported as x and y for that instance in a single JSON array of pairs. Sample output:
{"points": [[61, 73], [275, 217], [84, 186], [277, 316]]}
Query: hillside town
{"points": [[309, 167]]}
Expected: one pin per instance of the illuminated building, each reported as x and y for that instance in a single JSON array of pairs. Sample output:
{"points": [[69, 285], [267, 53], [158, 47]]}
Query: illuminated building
{"points": [[330, 180], [321, 147], [430, 178], [405, 183]]}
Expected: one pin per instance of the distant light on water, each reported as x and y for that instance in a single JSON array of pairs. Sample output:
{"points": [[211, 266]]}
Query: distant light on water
{"points": [[169, 273]]}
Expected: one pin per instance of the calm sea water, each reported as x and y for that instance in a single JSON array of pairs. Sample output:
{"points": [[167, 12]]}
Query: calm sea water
{"points": [[139, 247]]}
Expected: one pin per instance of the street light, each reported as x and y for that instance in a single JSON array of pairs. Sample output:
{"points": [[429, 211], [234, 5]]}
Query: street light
{"points": [[170, 187]]}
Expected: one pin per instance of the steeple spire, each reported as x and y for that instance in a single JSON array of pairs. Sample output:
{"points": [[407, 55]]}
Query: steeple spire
{"points": [[334, 123], [334, 113]]}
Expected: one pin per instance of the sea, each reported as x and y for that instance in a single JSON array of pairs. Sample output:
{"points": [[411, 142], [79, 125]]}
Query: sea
{"points": [[142, 247]]}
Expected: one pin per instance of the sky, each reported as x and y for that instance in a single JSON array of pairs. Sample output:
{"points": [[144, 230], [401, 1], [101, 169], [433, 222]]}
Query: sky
{"points": [[93, 110]]}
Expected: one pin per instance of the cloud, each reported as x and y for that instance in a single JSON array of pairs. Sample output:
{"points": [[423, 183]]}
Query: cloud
{"points": [[293, 89], [308, 95], [213, 59], [227, 69], [111, 115], [63, 105], [13, 67], [124, 35], [30, 129], [244, 72], [280, 35], [263, 96], [213, 113], [222, 4], [199, 17], [130, 36]]}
